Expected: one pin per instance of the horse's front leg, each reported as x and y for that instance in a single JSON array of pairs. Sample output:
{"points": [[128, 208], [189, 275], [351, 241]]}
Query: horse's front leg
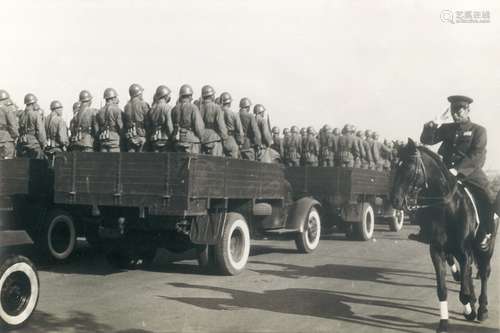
{"points": [[484, 272], [439, 261], [453, 267], [467, 295]]}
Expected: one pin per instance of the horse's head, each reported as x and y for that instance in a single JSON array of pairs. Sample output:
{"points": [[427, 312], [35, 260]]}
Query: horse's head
{"points": [[409, 177]]}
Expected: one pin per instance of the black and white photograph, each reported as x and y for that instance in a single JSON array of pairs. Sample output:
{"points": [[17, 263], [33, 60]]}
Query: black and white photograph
{"points": [[249, 166]]}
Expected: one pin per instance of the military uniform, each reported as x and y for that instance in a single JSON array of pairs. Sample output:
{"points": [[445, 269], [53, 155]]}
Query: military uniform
{"points": [[32, 138], [109, 125], [251, 135], [278, 146], [215, 128], [293, 149], [378, 153], [234, 132], [311, 150], [367, 162], [135, 131], [84, 129], [8, 132], [159, 126], [188, 127], [347, 149], [326, 143], [57, 134], [360, 152], [264, 153]]}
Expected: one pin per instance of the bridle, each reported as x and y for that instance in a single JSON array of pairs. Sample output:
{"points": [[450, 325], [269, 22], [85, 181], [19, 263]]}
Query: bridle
{"points": [[411, 196]]}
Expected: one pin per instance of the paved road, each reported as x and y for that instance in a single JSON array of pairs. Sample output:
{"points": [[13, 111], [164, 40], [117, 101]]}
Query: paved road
{"points": [[384, 285]]}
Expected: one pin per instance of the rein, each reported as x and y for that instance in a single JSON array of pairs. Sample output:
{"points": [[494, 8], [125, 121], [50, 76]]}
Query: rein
{"points": [[411, 198]]}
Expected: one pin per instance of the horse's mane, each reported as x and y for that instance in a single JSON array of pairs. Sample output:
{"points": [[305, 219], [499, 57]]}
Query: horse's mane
{"points": [[439, 162]]}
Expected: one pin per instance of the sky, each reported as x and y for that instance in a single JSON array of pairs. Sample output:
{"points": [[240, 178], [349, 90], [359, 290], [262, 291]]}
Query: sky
{"points": [[384, 65]]}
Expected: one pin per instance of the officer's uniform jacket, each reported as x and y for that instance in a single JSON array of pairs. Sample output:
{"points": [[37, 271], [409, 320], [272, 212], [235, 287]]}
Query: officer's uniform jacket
{"points": [[251, 131], [8, 125], [56, 131], [31, 129], [463, 147]]}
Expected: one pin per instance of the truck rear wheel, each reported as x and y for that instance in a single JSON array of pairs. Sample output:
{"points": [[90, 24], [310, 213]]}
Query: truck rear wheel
{"points": [[233, 248], [308, 240], [19, 289], [396, 220], [58, 237], [364, 229]]}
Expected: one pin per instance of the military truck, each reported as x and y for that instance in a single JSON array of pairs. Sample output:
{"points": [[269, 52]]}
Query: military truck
{"points": [[132, 204], [352, 199], [19, 284]]}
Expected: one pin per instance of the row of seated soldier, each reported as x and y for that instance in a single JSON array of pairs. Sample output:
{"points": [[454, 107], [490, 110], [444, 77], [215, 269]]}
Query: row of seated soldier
{"points": [[203, 126]]}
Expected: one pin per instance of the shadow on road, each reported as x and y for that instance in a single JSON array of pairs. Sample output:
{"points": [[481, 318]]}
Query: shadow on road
{"points": [[314, 302], [344, 272], [77, 321]]}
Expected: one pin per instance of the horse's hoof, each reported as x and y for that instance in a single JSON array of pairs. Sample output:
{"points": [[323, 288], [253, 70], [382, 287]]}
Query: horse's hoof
{"points": [[482, 314], [443, 326], [471, 316], [456, 276]]}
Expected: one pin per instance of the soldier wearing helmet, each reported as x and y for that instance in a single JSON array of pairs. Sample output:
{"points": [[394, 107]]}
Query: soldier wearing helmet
{"points": [[263, 152], [367, 159], [326, 148], [369, 144], [215, 127], [32, 138], [9, 130], [361, 154], [293, 148], [84, 124], [72, 125], [56, 130], [251, 132], [347, 148], [278, 143], [159, 125], [378, 151], [188, 123], [310, 148], [234, 128], [133, 119], [109, 123]]}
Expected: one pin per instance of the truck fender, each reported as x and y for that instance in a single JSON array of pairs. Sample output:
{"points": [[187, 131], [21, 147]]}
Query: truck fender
{"points": [[297, 213], [14, 237]]}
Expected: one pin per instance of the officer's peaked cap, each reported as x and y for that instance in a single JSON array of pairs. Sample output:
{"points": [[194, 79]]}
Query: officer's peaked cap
{"points": [[458, 99]]}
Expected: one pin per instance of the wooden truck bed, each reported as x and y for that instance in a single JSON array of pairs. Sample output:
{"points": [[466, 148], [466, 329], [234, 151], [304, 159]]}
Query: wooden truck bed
{"points": [[340, 185], [22, 176], [166, 184]]}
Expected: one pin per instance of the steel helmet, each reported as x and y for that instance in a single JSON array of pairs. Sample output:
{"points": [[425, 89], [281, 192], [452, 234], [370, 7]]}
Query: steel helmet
{"points": [[109, 93], [352, 128], [303, 130], [285, 130], [258, 109], [4, 95], [359, 133], [375, 135], [30, 99], [336, 131], [276, 130], [55, 105], [225, 98], [207, 91], [294, 129], [185, 90], [135, 90], [368, 133], [326, 128], [245, 103], [76, 106], [85, 96], [162, 91], [310, 130]]}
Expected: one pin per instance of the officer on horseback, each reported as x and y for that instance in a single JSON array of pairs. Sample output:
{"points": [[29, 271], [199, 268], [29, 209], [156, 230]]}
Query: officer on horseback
{"points": [[463, 148]]}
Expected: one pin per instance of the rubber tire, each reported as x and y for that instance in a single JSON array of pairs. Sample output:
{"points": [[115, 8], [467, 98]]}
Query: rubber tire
{"points": [[206, 257], [45, 238], [304, 245], [395, 222], [365, 228], [22, 265], [226, 262]]}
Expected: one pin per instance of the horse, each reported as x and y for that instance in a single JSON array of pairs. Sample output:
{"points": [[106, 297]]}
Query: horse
{"points": [[423, 184]]}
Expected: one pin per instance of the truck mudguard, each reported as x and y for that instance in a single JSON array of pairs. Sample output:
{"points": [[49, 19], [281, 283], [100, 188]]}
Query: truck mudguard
{"points": [[207, 229], [297, 213]]}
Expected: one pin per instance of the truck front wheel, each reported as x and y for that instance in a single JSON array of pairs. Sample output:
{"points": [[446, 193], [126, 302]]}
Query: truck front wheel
{"points": [[233, 248], [19, 289], [308, 240]]}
